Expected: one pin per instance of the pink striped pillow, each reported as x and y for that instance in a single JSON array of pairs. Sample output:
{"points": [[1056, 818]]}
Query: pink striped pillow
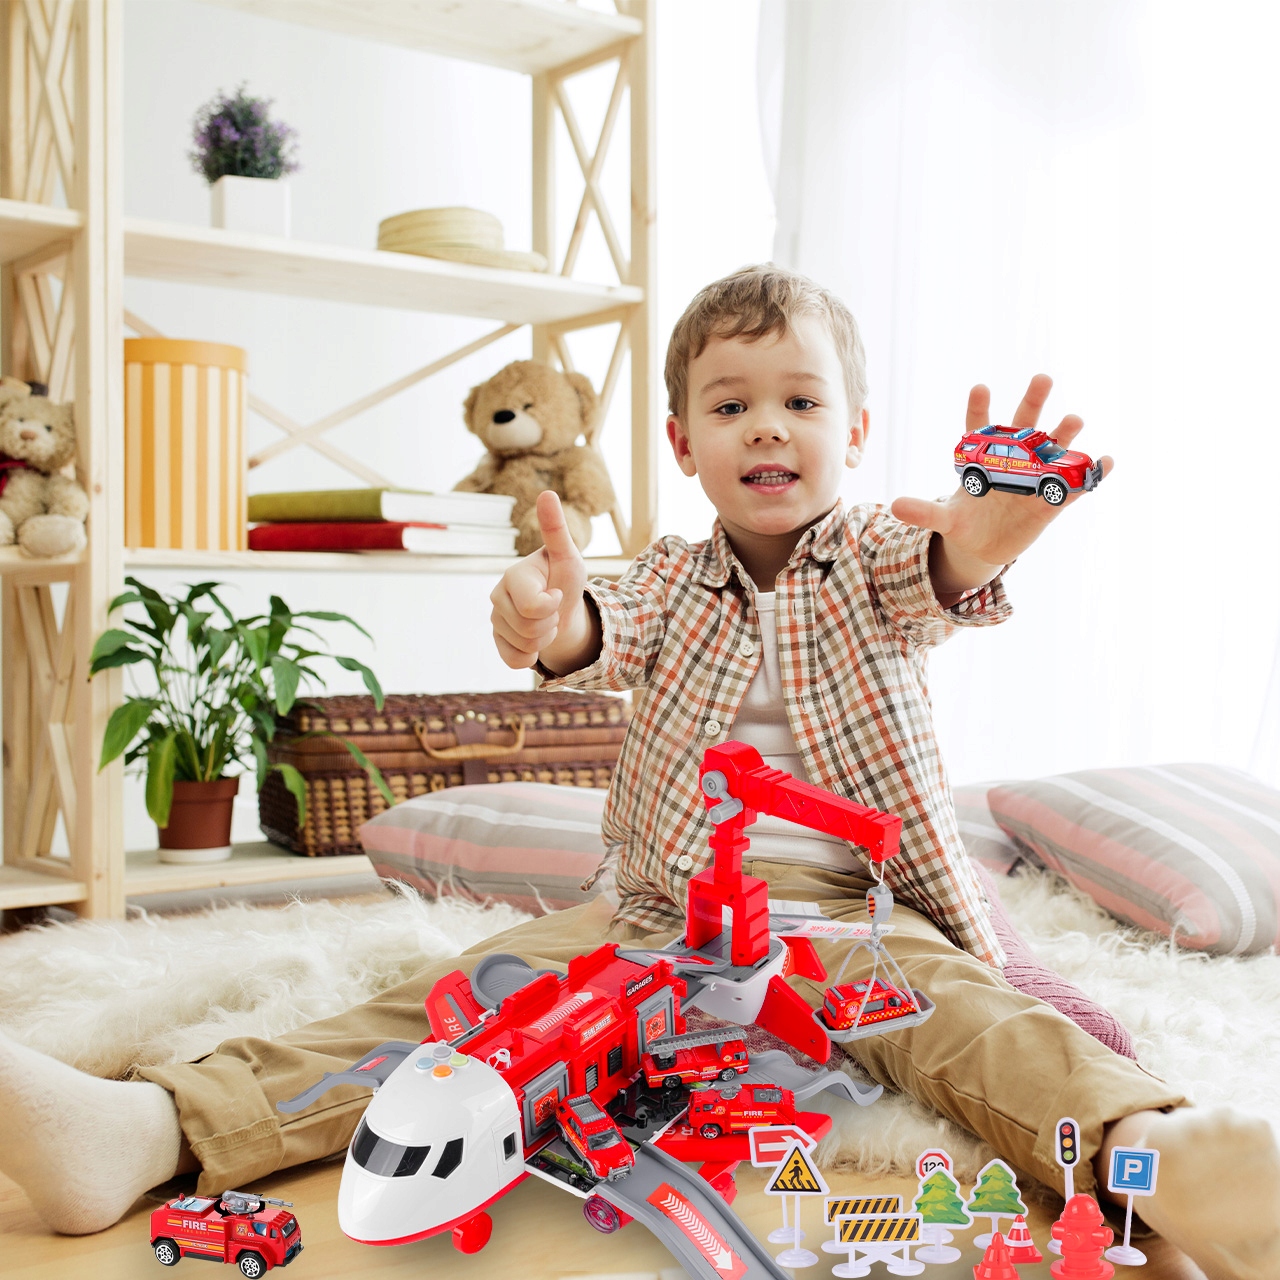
{"points": [[1191, 851], [527, 843], [983, 840]]}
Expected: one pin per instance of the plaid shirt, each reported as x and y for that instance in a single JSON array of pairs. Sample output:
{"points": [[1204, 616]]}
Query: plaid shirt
{"points": [[856, 617]]}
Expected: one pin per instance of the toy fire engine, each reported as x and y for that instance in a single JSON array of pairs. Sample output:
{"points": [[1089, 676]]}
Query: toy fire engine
{"points": [[237, 1227], [523, 1068], [736, 1108]]}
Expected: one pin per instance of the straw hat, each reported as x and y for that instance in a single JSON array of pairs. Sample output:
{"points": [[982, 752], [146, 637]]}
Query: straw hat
{"points": [[457, 235]]}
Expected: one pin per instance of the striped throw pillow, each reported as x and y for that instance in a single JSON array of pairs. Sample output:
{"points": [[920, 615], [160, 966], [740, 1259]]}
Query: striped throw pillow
{"points": [[1191, 851], [527, 843], [983, 840]]}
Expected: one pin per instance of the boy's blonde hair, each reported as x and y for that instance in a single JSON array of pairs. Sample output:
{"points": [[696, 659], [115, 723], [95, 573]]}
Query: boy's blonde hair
{"points": [[753, 303]]}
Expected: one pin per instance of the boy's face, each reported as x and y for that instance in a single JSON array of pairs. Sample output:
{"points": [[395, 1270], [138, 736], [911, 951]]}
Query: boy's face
{"points": [[767, 430]]}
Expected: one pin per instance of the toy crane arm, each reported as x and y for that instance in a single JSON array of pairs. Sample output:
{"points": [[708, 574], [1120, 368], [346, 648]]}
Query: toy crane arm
{"points": [[764, 790]]}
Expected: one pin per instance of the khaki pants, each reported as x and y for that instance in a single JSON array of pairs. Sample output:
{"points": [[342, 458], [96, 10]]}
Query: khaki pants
{"points": [[999, 1063]]}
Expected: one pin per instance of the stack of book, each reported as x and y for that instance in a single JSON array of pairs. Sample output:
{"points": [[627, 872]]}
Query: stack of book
{"points": [[461, 524]]}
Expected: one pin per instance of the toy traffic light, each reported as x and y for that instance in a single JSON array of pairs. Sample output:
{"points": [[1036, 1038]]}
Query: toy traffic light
{"points": [[1068, 1151]]}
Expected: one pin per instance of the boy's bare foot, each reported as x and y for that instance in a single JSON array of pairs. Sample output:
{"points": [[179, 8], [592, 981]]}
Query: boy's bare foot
{"points": [[1218, 1190], [83, 1149]]}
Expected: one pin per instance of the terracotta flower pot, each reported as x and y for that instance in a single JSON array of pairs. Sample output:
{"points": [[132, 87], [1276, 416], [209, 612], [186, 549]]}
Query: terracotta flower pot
{"points": [[199, 827]]}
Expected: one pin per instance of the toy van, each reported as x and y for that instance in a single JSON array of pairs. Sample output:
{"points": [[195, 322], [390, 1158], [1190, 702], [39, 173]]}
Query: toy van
{"points": [[736, 1108]]}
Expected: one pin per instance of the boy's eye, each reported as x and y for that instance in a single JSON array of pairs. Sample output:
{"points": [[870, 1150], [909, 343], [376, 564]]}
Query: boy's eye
{"points": [[801, 403], [732, 408]]}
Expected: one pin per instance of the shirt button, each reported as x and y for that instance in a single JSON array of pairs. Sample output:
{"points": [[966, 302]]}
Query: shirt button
{"points": [[746, 648], [684, 862], [712, 728]]}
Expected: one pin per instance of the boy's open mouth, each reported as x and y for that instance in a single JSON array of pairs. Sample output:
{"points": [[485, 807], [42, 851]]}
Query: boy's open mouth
{"points": [[769, 477]]}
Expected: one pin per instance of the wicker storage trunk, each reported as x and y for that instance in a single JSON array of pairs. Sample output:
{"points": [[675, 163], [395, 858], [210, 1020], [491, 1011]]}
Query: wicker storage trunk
{"points": [[427, 743]]}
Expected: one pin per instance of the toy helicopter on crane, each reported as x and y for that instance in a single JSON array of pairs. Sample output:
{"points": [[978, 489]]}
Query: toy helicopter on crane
{"points": [[538, 1073]]}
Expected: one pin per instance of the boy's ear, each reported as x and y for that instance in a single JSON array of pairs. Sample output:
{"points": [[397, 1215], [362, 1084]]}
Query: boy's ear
{"points": [[680, 446], [858, 429]]}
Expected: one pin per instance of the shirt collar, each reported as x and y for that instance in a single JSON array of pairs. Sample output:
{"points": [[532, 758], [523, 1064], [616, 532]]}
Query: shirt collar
{"points": [[820, 541]]}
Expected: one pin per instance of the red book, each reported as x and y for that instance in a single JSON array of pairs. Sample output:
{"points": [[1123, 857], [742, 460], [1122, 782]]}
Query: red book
{"points": [[383, 535]]}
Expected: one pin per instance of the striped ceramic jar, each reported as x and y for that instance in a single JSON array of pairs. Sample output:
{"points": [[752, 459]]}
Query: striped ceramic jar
{"points": [[184, 438]]}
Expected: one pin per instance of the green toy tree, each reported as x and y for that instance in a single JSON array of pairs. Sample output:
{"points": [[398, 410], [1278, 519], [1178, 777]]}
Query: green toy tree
{"points": [[995, 1196], [939, 1200]]}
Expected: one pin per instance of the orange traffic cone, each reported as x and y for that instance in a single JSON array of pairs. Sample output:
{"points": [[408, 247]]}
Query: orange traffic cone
{"points": [[1021, 1246], [995, 1264]]}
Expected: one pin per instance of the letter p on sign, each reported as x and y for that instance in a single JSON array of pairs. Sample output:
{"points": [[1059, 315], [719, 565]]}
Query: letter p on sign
{"points": [[1133, 1171]]}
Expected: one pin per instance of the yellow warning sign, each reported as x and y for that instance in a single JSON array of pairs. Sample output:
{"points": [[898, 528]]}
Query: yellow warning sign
{"points": [[849, 1206], [898, 1228], [796, 1176]]}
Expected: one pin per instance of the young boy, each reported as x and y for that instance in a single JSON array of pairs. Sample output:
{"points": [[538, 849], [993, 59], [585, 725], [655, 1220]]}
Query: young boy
{"points": [[802, 629]]}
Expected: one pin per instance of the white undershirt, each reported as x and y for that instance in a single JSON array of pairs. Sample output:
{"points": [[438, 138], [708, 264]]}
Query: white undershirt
{"points": [[762, 723]]}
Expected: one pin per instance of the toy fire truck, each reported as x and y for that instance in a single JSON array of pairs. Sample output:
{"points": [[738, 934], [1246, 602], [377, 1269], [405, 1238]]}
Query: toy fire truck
{"points": [[237, 1227], [1023, 460], [523, 1068], [735, 1108], [691, 1059]]}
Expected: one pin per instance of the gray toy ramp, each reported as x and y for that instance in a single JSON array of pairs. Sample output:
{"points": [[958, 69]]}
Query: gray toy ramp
{"points": [[498, 975], [776, 1067], [693, 1222]]}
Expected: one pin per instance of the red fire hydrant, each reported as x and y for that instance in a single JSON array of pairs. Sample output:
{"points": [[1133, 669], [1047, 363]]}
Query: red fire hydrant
{"points": [[1083, 1239]]}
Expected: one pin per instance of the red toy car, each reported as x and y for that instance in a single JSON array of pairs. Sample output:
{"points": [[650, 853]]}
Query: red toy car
{"points": [[237, 1227], [591, 1132], [739, 1107], [883, 1003], [723, 1061], [1023, 460]]}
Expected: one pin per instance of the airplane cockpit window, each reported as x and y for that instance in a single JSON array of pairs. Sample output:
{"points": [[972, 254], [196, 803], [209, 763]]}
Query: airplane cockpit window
{"points": [[386, 1159], [449, 1160]]}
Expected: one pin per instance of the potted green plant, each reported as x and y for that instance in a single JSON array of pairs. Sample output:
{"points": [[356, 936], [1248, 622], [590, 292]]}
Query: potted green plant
{"points": [[244, 156], [217, 683]]}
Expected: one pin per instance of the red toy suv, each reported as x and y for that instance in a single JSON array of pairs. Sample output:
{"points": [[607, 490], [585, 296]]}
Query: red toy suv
{"points": [[738, 1107], [238, 1227], [1023, 460], [723, 1061], [883, 1003], [591, 1132]]}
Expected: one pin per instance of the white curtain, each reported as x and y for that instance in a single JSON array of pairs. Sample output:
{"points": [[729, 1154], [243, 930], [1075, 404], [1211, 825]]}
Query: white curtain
{"points": [[1089, 189]]}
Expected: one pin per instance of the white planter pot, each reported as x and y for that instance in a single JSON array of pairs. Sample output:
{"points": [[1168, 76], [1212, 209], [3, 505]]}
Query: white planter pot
{"points": [[259, 205]]}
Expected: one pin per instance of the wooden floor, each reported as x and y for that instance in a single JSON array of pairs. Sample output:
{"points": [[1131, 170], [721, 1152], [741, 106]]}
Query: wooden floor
{"points": [[539, 1233]]}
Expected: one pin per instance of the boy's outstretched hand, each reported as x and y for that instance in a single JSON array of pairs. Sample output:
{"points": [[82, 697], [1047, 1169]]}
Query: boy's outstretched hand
{"points": [[979, 536], [538, 606]]}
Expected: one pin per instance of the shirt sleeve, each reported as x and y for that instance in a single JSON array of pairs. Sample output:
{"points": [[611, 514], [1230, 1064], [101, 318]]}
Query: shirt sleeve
{"points": [[633, 623], [895, 560]]}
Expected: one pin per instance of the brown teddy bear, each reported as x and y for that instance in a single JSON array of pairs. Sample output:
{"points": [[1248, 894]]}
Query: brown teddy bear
{"points": [[529, 417], [40, 509]]}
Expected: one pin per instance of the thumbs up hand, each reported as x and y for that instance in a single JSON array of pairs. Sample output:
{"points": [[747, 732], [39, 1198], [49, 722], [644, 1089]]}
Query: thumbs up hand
{"points": [[539, 607]]}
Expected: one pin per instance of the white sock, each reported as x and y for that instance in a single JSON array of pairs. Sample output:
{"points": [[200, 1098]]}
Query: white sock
{"points": [[1218, 1190], [82, 1148]]}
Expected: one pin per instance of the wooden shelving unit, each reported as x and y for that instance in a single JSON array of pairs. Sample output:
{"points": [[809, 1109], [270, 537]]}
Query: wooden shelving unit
{"points": [[65, 249]]}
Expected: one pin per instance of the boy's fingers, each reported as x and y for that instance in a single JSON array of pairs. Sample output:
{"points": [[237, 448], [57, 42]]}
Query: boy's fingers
{"points": [[528, 592], [1068, 429], [1028, 412], [979, 411], [514, 658], [526, 637], [923, 514]]}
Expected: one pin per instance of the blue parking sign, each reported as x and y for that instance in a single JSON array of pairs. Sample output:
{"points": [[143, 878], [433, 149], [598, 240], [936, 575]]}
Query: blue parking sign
{"points": [[1133, 1171]]}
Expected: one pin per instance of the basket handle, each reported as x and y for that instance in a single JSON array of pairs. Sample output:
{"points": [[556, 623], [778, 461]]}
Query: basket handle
{"points": [[472, 750]]}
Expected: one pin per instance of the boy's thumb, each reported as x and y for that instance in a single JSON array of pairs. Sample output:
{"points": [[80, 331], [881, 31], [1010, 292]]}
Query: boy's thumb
{"points": [[555, 530]]}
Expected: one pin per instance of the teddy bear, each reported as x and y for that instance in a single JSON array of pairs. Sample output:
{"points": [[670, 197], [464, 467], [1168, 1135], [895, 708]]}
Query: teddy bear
{"points": [[529, 417], [40, 509]]}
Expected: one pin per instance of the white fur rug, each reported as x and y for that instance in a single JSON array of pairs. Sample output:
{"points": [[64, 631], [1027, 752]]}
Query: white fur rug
{"points": [[163, 989]]}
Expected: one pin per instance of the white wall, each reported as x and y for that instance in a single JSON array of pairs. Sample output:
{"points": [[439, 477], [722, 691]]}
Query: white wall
{"points": [[384, 130]]}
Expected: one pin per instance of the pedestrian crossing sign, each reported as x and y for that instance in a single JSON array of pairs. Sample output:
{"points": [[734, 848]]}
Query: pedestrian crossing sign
{"points": [[797, 1175]]}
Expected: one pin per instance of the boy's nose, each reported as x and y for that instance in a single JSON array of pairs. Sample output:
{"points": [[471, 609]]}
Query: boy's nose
{"points": [[759, 432]]}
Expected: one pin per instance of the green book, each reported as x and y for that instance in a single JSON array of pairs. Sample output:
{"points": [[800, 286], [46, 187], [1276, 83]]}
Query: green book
{"points": [[403, 506]]}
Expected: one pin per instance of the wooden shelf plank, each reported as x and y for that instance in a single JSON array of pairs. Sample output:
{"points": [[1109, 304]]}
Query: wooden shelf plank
{"points": [[340, 561], [22, 888], [16, 565], [258, 863], [269, 264], [27, 228], [521, 35]]}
